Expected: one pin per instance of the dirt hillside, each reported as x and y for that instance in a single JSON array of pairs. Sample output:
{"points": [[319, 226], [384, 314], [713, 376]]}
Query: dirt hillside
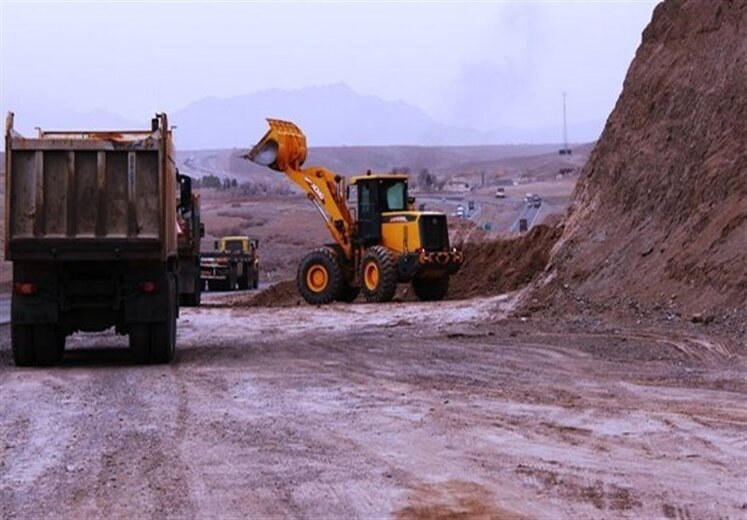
{"points": [[659, 216]]}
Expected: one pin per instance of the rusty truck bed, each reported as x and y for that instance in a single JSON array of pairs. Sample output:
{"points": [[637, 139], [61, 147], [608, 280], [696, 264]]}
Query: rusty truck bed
{"points": [[75, 195]]}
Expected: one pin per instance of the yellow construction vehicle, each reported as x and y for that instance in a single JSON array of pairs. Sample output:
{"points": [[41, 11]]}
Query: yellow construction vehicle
{"points": [[381, 242], [233, 265]]}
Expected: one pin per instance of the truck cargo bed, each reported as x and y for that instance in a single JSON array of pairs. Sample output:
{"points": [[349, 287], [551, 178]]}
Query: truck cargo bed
{"points": [[90, 195]]}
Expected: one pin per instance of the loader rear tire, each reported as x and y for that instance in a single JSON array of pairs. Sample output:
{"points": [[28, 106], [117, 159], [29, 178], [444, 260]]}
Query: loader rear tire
{"points": [[319, 277], [431, 289], [378, 275]]}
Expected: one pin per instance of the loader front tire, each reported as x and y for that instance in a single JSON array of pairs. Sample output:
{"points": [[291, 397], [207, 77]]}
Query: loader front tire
{"points": [[431, 289], [378, 275], [319, 277]]}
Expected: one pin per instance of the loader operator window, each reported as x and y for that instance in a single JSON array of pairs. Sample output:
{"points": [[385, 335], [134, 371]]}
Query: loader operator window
{"points": [[394, 199], [366, 204]]}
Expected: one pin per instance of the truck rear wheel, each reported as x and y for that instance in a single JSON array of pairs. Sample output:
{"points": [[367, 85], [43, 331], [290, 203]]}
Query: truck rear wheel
{"points": [[243, 280], [378, 275], [156, 342], [319, 277], [431, 289], [22, 341], [163, 337], [192, 299], [140, 343], [41, 344]]}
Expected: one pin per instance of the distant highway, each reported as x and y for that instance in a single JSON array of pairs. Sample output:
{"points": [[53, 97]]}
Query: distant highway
{"points": [[531, 214]]}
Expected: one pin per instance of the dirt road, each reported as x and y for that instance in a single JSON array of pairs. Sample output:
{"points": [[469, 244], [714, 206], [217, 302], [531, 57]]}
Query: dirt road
{"points": [[396, 410]]}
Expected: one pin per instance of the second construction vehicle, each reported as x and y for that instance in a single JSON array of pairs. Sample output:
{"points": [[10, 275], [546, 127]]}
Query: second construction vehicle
{"points": [[189, 232], [380, 243], [233, 265]]}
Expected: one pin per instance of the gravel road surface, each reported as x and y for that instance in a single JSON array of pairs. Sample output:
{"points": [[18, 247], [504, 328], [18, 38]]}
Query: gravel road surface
{"points": [[379, 411]]}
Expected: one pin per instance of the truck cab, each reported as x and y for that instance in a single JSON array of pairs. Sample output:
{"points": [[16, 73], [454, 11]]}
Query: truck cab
{"points": [[234, 264]]}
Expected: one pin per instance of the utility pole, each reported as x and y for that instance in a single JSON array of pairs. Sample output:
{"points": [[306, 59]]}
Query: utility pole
{"points": [[565, 150]]}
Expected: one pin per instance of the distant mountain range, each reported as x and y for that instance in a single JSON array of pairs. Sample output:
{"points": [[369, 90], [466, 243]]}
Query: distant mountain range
{"points": [[332, 115]]}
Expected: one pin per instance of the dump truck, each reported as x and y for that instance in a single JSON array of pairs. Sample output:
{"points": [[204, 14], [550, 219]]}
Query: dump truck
{"points": [[91, 230], [233, 265], [381, 242], [190, 230]]}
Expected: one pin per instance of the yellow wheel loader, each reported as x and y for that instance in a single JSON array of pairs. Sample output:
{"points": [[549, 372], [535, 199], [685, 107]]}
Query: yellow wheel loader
{"points": [[379, 243]]}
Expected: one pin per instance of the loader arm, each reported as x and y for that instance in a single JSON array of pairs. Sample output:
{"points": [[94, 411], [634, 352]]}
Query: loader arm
{"points": [[283, 148]]}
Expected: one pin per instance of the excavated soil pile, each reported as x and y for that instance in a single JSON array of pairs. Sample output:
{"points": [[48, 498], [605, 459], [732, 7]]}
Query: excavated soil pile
{"points": [[462, 231], [503, 265], [281, 294], [659, 216]]}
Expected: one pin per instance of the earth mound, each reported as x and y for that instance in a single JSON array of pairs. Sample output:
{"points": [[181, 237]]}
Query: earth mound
{"points": [[659, 216], [503, 265]]}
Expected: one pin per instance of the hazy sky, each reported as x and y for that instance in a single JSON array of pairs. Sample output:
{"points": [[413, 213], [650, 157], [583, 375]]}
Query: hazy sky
{"points": [[472, 64]]}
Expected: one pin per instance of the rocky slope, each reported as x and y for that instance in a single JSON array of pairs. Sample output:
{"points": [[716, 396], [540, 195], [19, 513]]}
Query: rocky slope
{"points": [[659, 217]]}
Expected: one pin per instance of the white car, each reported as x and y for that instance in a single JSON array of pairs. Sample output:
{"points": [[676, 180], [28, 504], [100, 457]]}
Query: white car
{"points": [[460, 211]]}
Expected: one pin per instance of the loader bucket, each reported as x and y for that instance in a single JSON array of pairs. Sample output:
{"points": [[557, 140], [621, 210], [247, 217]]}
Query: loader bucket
{"points": [[282, 148]]}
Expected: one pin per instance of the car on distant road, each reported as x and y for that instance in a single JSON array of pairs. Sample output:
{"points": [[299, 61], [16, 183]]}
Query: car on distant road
{"points": [[500, 193], [460, 211], [536, 201]]}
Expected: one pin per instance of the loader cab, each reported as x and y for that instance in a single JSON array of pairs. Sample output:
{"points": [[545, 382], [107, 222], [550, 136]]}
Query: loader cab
{"points": [[377, 194]]}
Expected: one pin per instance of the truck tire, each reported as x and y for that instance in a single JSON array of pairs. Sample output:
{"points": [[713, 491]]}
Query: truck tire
{"points": [[22, 342], [41, 344], [156, 342], [244, 281], [319, 278], [163, 333], [431, 289], [140, 343], [49, 344], [192, 299], [198, 291], [378, 275]]}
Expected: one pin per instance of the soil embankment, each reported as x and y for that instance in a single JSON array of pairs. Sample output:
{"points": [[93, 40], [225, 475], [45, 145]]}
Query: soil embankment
{"points": [[658, 219]]}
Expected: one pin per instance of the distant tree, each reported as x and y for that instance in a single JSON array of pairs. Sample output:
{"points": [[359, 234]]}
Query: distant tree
{"points": [[210, 181], [402, 170], [426, 180]]}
